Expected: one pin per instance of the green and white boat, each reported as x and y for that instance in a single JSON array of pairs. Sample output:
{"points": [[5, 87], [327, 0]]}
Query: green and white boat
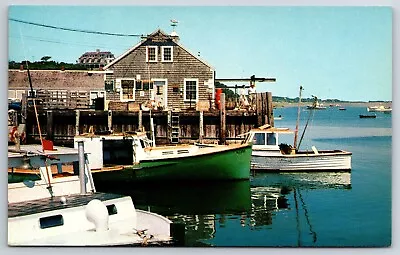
{"points": [[133, 157]]}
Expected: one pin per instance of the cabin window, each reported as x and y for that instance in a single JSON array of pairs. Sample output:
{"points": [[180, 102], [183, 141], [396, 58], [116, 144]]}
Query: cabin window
{"points": [[151, 54], [112, 209], [271, 139], [51, 221], [191, 89], [167, 53], [127, 90], [259, 139]]}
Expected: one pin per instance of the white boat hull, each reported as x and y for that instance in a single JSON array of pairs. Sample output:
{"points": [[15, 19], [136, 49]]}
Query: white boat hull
{"points": [[323, 161]]}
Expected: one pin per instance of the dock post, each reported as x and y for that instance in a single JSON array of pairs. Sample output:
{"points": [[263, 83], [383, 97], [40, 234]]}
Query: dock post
{"points": [[222, 114], [140, 124], [109, 119], [81, 155], [269, 113], [259, 109], [49, 126], [201, 127], [77, 117]]}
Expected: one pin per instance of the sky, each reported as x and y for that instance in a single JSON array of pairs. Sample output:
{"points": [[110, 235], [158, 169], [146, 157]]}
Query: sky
{"points": [[339, 52]]}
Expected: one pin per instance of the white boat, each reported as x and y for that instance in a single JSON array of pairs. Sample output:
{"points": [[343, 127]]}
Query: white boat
{"points": [[316, 105], [132, 156], [60, 207], [269, 155], [380, 108]]}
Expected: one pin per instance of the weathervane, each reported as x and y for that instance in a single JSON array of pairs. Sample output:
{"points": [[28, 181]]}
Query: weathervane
{"points": [[174, 23]]}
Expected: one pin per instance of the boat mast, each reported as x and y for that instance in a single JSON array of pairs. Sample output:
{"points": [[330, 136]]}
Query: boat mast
{"points": [[296, 132]]}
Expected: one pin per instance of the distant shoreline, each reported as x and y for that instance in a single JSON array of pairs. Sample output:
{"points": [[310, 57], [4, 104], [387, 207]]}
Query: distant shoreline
{"points": [[343, 104]]}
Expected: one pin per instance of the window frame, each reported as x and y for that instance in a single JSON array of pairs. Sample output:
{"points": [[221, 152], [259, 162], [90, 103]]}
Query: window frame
{"points": [[185, 99], [163, 55], [148, 55], [121, 91]]}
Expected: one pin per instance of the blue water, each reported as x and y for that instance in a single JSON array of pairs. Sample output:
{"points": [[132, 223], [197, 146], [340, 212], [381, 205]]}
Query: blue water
{"points": [[294, 209]]}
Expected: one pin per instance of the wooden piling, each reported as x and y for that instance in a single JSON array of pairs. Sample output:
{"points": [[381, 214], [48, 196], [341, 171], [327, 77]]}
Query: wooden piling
{"points": [[109, 120], [77, 117], [140, 124], [49, 125], [270, 115], [222, 114], [201, 127]]}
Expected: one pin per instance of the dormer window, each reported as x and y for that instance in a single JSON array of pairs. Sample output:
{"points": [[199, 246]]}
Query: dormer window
{"points": [[167, 53], [151, 54]]}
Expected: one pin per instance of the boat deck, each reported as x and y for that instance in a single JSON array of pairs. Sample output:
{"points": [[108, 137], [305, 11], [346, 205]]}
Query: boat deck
{"points": [[49, 204]]}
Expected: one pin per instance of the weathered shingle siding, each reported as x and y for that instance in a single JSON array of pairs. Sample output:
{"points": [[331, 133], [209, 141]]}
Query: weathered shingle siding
{"points": [[56, 80], [184, 65]]}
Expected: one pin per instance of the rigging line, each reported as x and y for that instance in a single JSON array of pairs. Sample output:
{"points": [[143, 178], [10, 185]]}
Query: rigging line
{"points": [[314, 234], [297, 218], [304, 131], [33, 38], [36, 114], [76, 30]]}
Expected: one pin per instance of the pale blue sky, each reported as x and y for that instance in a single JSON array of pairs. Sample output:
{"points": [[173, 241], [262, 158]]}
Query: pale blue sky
{"points": [[333, 52]]}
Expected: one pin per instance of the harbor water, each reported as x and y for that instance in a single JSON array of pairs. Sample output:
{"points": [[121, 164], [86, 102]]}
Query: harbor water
{"points": [[340, 209]]}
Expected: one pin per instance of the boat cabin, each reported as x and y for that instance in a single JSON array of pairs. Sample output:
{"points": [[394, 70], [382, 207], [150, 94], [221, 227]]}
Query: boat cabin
{"points": [[266, 137]]}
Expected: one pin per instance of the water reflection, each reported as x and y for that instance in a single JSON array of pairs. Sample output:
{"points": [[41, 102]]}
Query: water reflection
{"points": [[208, 208]]}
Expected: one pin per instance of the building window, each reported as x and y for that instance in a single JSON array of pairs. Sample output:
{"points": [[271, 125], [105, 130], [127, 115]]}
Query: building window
{"points": [[127, 92], [190, 89], [147, 85], [139, 85], [109, 85], [167, 53], [151, 54]]}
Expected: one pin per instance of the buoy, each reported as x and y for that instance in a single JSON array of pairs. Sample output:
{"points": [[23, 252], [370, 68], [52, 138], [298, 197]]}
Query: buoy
{"points": [[97, 213]]}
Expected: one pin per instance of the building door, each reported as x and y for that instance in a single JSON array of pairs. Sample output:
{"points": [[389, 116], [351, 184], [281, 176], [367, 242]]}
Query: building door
{"points": [[160, 92]]}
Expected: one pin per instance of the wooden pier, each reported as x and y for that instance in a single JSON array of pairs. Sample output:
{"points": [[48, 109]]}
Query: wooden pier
{"points": [[182, 126]]}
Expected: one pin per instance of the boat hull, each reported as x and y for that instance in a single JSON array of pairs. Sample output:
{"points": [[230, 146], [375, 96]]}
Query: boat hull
{"points": [[306, 161], [229, 164]]}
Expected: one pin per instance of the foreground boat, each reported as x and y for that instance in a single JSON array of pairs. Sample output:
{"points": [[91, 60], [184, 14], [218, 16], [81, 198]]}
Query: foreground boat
{"points": [[60, 207], [269, 155], [132, 157]]}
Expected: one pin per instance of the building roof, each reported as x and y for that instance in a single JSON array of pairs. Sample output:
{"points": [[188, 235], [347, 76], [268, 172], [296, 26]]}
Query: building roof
{"points": [[56, 80], [157, 32]]}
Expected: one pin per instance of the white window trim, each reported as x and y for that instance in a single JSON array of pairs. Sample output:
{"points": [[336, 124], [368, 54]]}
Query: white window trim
{"points": [[184, 90], [162, 53], [165, 90], [119, 87], [147, 53], [99, 93]]}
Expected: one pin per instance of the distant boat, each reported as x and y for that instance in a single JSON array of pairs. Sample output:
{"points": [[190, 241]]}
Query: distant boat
{"points": [[379, 109], [363, 116], [316, 105], [278, 118], [342, 109]]}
